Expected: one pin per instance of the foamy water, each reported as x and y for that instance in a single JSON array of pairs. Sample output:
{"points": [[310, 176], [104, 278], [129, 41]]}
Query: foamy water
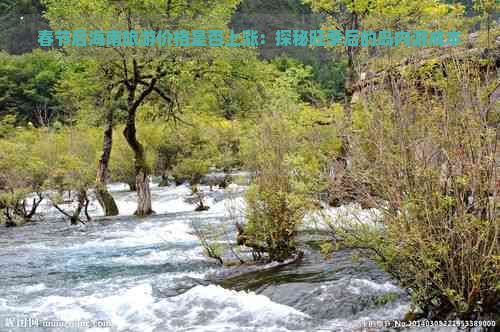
{"points": [[150, 274]]}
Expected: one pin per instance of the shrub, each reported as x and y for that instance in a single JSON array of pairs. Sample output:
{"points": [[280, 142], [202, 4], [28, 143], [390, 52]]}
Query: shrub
{"points": [[22, 172], [287, 172], [431, 160], [71, 156]]}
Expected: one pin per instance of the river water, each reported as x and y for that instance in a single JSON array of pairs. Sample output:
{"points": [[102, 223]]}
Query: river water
{"points": [[151, 275]]}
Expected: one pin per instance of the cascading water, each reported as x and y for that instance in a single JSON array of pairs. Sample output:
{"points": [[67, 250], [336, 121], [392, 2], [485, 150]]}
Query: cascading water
{"points": [[151, 275]]}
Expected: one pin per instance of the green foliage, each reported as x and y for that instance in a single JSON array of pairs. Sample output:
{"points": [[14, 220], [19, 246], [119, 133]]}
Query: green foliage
{"points": [[121, 164], [27, 87], [22, 171], [192, 169], [188, 149], [424, 148], [300, 78], [288, 160], [38, 160], [184, 150], [71, 159], [34, 160], [408, 15], [83, 95], [232, 89], [7, 125], [430, 158]]}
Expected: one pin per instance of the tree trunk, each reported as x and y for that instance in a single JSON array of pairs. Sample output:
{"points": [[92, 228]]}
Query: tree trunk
{"points": [[350, 79], [350, 76], [34, 207], [141, 169], [105, 199], [133, 103], [131, 184], [164, 182], [143, 193], [83, 202]]}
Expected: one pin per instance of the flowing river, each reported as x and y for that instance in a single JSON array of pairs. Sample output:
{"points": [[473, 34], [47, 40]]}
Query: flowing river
{"points": [[151, 275]]}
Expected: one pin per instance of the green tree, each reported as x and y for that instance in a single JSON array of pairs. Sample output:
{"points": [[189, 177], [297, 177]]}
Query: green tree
{"points": [[71, 154], [138, 72], [88, 102], [287, 158], [377, 15], [28, 85], [23, 172]]}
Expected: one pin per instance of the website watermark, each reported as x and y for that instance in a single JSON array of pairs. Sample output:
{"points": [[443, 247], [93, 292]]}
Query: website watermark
{"points": [[378, 324], [27, 322]]}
